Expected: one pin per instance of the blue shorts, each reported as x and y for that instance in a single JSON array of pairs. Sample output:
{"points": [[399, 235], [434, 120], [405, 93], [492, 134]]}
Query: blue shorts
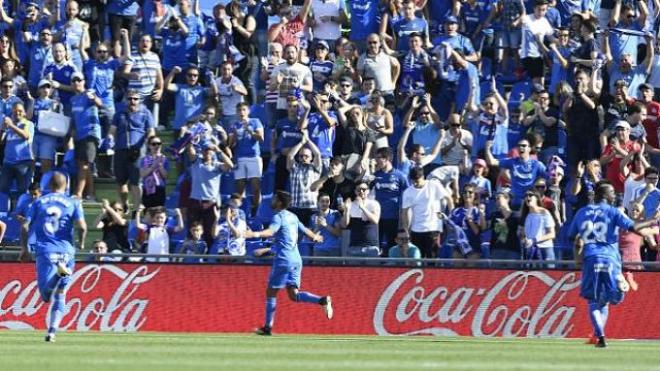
{"points": [[508, 39], [44, 147], [285, 276], [599, 282], [47, 279]]}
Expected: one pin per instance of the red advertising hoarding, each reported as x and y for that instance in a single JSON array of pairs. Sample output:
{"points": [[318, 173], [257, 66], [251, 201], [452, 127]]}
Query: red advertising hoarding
{"points": [[367, 300]]}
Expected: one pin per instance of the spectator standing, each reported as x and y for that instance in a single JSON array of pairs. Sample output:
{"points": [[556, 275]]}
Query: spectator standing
{"points": [[87, 133], [407, 25], [42, 55], [354, 141], [327, 18], [648, 195], [288, 132], [420, 206], [144, 73], [535, 28], [538, 229], [379, 65], [361, 217], [59, 73], [454, 145], [231, 92], [471, 218], [504, 222], [581, 115], [114, 226], [132, 126], [18, 161], [327, 223], [190, 98], [44, 145], [243, 27], [379, 120], [290, 29], [122, 14], [154, 167], [72, 32], [245, 135], [322, 127], [522, 171], [302, 174], [289, 76], [615, 151], [100, 76], [388, 187], [155, 236], [205, 172], [365, 19]]}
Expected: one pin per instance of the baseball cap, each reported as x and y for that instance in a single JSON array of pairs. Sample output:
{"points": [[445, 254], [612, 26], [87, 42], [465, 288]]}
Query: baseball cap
{"points": [[538, 88], [77, 75], [322, 44], [622, 124], [645, 86], [43, 82], [451, 19], [480, 162]]}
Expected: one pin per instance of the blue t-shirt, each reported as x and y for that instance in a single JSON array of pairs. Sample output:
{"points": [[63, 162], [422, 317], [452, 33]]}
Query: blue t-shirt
{"points": [[523, 175], [365, 18], [403, 28], [18, 149], [174, 49], [321, 72], [412, 73], [322, 134], [51, 219], [62, 74], [286, 225], [189, 102], [634, 78], [246, 145], [123, 7], [85, 116], [99, 76], [467, 77], [598, 226], [41, 56], [288, 134], [458, 42], [330, 241], [205, 180], [196, 31], [389, 189], [621, 43], [515, 132], [137, 123], [7, 106]]}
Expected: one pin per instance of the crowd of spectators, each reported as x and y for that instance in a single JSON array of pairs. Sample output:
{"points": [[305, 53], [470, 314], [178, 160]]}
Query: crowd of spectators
{"points": [[411, 128]]}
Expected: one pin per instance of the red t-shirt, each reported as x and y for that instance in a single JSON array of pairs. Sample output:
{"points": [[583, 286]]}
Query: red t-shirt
{"points": [[613, 174], [651, 123], [291, 33]]}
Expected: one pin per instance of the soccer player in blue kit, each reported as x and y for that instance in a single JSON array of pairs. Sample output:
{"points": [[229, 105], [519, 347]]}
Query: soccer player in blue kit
{"points": [[51, 218], [595, 230], [287, 263]]}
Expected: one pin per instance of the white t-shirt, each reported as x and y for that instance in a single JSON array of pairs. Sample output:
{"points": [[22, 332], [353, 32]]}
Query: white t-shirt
{"points": [[293, 77], [328, 8], [455, 154], [537, 225], [425, 205], [630, 187], [158, 243], [229, 98], [531, 26], [372, 205]]}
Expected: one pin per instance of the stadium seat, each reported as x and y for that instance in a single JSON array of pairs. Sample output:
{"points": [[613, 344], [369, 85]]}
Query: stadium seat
{"points": [[13, 232]]}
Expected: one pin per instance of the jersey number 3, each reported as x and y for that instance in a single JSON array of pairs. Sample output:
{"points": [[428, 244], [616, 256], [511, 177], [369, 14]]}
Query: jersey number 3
{"points": [[594, 232], [52, 224]]}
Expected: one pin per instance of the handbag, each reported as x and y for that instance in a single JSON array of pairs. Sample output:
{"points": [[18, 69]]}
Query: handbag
{"points": [[53, 124]]}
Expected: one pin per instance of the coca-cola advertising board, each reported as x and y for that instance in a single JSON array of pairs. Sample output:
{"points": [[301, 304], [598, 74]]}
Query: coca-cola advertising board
{"points": [[367, 301]]}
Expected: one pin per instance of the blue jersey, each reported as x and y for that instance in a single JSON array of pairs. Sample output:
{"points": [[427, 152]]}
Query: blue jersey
{"points": [[286, 225], [62, 74], [246, 145], [18, 149], [85, 116], [174, 49], [523, 175], [51, 219], [365, 18], [288, 134], [389, 189], [99, 76], [322, 134], [404, 28], [598, 227], [188, 102]]}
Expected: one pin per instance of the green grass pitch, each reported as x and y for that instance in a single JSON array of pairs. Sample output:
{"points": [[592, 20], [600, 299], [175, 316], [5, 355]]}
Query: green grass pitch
{"points": [[21, 350]]}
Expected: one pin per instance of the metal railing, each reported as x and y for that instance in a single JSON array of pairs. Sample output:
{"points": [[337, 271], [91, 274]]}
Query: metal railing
{"points": [[12, 255]]}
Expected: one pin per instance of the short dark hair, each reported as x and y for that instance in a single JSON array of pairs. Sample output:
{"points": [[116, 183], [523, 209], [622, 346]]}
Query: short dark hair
{"points": [[157, 210], [601, 188], [242, 104], [196, 224], [322, 194], [416, 173], [651, 170], [284, 198], [636, 108], [385, 152]]}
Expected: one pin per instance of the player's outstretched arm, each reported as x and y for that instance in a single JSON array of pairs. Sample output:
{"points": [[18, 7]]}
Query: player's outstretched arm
{"points": [[312, 236]]}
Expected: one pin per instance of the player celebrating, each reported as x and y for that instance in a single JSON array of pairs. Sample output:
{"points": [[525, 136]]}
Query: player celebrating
{"points": [[287, 264], [595, 231], [52, 218]]}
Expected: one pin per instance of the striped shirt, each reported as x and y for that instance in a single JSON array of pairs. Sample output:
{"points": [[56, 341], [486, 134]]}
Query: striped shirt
{"points": [[301, 179], [271, 95], [147, 67]]}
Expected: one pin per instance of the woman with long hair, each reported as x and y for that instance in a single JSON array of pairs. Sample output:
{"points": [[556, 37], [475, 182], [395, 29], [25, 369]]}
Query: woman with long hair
{"points": [[469, 216], [537, 230], [379, 119], [354, 141], [153, 172]]}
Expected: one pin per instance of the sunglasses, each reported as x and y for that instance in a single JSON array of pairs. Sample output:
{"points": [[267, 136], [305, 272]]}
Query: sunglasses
{"points": [[102, 51], [132, 98], [155, 144], [455, 125], [540, 186], [489, 104], [362, 189], [7, 86], [46, 34], [522, 145], [76, 80], [192, 75], [425, 113], [346, 85]]}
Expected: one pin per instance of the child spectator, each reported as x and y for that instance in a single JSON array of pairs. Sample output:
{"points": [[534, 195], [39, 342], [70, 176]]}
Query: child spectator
{"points": [[114, 226], [193, 245], [230, 234], [155, 237]]}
